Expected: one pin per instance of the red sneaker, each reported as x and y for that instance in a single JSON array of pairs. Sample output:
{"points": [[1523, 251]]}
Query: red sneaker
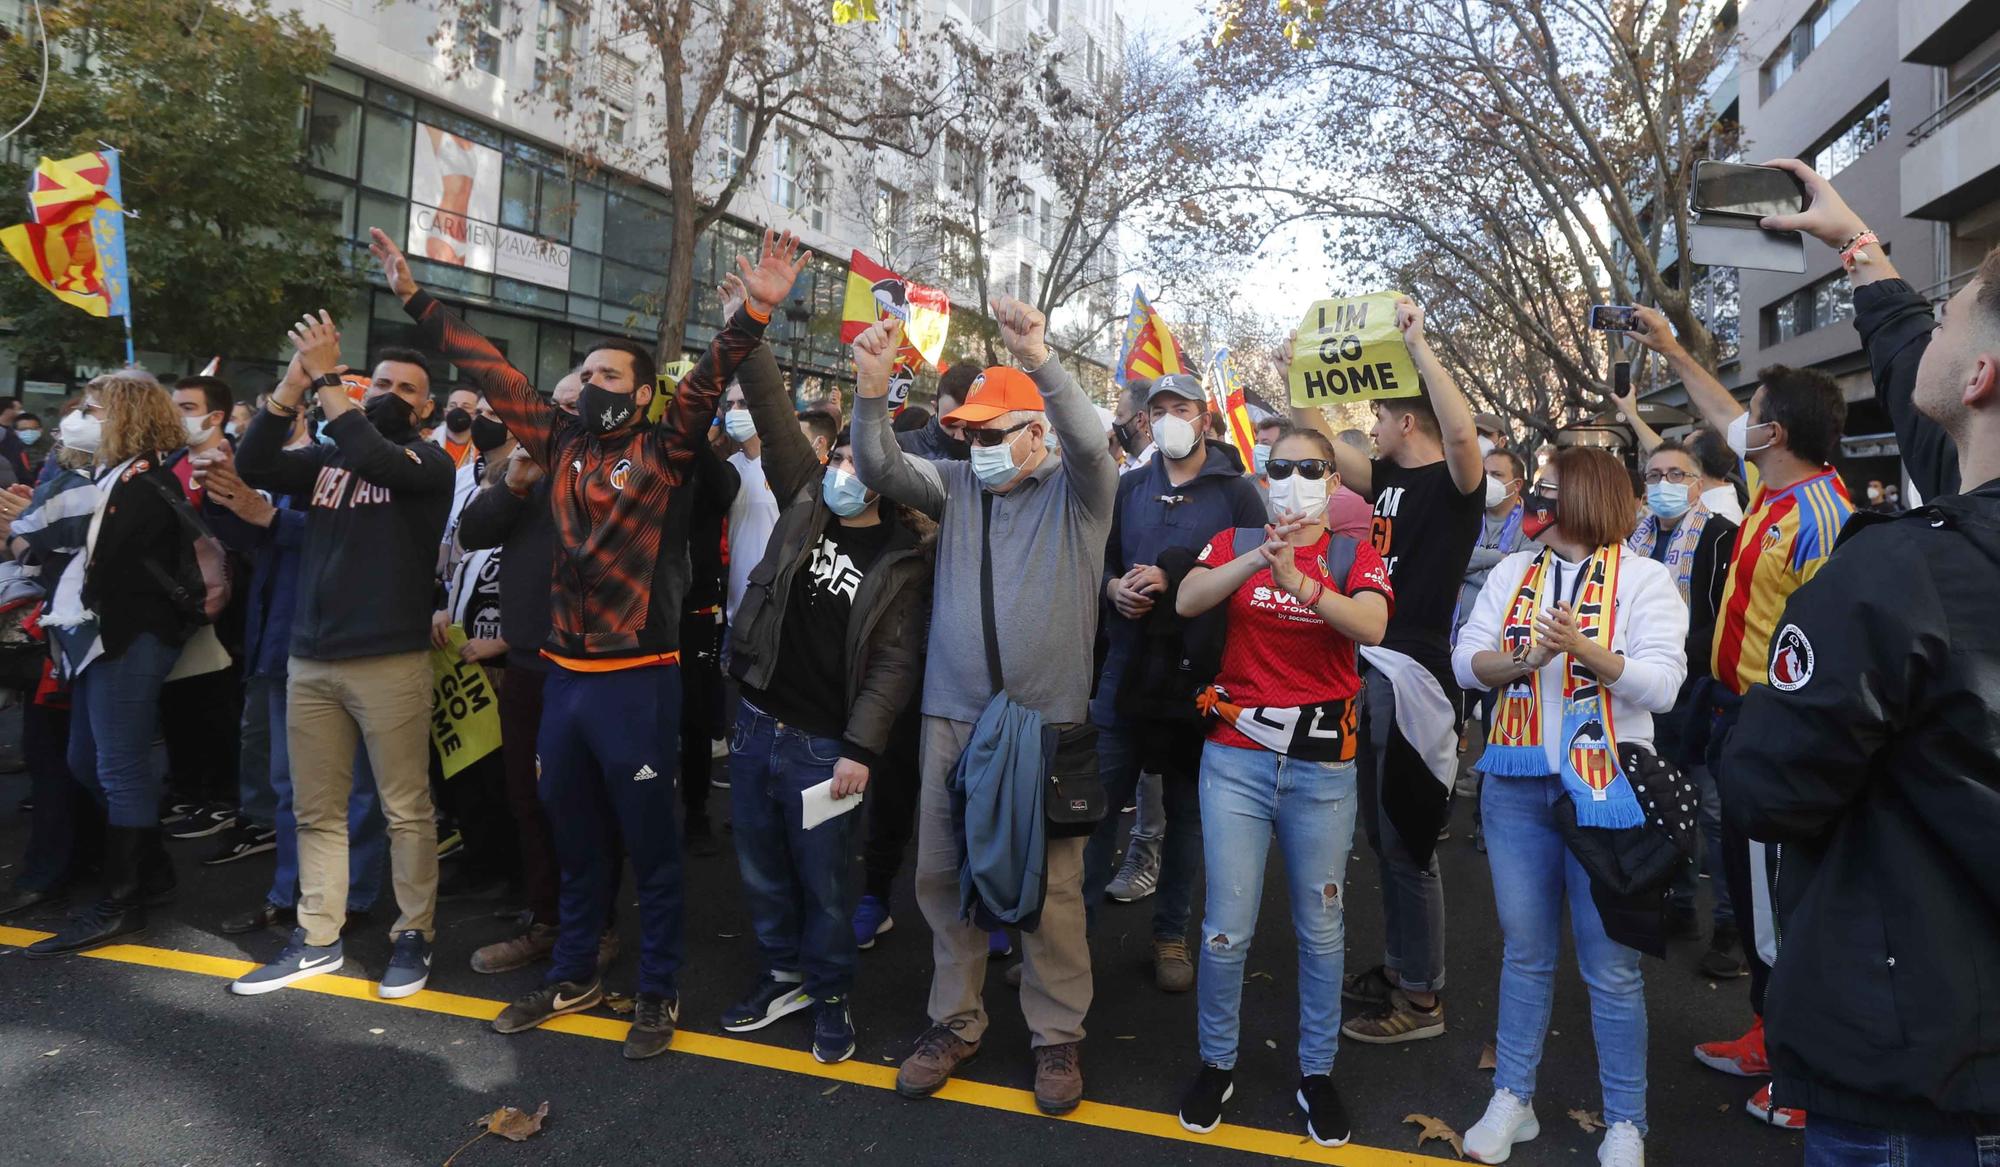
{"points": [[1743, 1057], [1783, 1117]]}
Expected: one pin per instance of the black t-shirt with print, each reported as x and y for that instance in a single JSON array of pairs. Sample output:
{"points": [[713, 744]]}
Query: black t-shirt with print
{"points": [[809, 686], [1424, 528]]}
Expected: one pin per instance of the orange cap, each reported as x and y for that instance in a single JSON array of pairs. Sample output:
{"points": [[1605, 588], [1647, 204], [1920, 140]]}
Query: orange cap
{"points": [[998, 391]]}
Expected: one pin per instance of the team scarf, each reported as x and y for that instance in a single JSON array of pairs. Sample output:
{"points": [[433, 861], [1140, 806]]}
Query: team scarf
{"points": [[1590, 771], [1680, 552], [1321, 732]]}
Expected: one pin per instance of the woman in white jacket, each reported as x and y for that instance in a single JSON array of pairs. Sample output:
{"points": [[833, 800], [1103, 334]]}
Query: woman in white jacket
{"points": [[1584, 642]]}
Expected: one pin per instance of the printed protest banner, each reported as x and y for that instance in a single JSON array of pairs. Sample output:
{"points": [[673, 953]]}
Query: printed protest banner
{"points": [[1350, 350], [465, 713]]}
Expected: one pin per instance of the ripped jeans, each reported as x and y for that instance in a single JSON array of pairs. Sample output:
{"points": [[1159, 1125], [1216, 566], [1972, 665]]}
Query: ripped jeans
{"points": [[1246, 796]]}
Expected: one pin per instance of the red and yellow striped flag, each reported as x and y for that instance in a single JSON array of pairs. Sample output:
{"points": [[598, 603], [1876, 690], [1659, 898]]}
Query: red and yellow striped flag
{"points": [[64, 260], [1149, 350], [59, 191]]}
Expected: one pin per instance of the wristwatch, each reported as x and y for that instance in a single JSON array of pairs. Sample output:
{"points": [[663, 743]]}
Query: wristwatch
{"points": [[327, 381]]}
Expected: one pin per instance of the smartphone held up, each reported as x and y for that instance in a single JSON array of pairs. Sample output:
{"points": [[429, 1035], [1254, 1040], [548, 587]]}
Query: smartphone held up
{"points": [[1728, 200], [1614, 318]]}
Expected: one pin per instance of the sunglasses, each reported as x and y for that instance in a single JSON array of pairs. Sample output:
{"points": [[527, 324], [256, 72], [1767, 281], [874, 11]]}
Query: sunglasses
{"points": [[1311, 469], [993, 437]]}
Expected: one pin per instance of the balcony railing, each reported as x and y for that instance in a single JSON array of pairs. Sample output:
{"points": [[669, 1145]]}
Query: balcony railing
{"points": [[1964, 100], [1946, 288]]}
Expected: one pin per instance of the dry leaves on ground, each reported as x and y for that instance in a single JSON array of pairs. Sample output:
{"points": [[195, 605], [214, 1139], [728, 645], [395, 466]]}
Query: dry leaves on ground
{"points": [[509, 1123], [1489, 1058], [1589, 1120], [619, 1003], [1436, 1128]]}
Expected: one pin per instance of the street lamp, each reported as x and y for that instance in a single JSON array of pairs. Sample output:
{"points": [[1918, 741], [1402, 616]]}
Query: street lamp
{"points": [[796, 315]]}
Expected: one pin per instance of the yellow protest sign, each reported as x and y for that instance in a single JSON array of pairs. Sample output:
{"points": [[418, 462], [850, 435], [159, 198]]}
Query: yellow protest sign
{"points": [[1350, 350], [465, 714]]}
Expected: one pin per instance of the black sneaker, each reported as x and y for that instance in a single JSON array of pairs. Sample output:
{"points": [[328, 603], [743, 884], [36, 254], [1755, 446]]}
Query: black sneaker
{"points": [[769, 1000], [177, 813], [209, 820], [243, 840], [1368, 990], [833, 1031], [409, 966], [653, 1020], [1326, 1117], [1201, 1106], [547, 1002], [264, 915]]}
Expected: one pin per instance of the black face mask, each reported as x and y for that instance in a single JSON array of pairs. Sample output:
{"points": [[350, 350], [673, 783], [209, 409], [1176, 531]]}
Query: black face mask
{"points": [[602, 410], [956, 449], [1539, 512], [457, 420], [1127, 435], [392, 417], [487, 434]]}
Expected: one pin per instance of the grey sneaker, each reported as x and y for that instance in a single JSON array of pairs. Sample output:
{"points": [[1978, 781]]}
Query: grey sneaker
{"points": [[298, 961], [1139, 877], [409, 966]]}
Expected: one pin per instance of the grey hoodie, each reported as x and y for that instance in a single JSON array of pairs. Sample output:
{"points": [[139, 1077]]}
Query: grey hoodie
{"points": [[1048, 555]]}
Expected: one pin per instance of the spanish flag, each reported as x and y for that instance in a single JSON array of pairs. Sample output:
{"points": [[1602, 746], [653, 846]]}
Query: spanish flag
{"points": [[1225, 393], [59, 191], [1149, 350], [876, 293]]}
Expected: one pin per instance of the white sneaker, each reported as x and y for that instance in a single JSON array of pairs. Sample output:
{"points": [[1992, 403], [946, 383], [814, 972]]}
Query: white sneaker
{"points": [[1622, 1147], [1507, 1121]]}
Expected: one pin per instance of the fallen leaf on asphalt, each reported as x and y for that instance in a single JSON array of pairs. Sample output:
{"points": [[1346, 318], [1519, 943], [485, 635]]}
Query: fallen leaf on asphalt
{"points": [[1589, 1120], [1723, 1109], [378, 1032], [1489, 1058], [829, 1090], [510, 1123], [53, 1052], [1436, 1128], [618, 1003], [1269, 1042], [1125, 1037]]}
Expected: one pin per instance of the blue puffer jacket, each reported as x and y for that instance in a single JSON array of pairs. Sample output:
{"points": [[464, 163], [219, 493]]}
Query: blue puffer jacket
{"points": [[1152, 516]]}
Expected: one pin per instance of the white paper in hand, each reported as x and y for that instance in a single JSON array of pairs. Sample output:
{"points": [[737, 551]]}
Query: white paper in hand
{"points": [[818, 804]]}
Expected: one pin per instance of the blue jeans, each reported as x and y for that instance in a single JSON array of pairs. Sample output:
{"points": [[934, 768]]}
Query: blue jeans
{"points": [[1180, 853], [1833, 1143], [795, 880], [1246, 795], [610, 751], [255, 800], [1532, 872], [115, 715], [367, 830]]}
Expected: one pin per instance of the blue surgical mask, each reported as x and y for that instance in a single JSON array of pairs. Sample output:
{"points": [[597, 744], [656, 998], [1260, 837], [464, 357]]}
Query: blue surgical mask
{"points": [[994, 465], [843, 493], [29, 436], [1260, 456], [740, 426], [1668, 500]]}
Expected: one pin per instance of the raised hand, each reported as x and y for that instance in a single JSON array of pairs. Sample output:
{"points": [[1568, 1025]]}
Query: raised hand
{"points": [[1284, 566], [732, 294], [1410, 321], [395, 268], [1827, 216], [1654, 332], [317, 341], [875, 356], [1022, 330], [778, 266], [522, 470]]}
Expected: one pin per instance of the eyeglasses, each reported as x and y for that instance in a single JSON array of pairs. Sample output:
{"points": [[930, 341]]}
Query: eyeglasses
{"points": [[993, 437], [1545, 489], [1310, 469], [1655, 477]]}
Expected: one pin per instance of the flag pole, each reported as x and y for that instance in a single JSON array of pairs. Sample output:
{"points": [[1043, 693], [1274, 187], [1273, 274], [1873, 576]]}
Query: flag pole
{"points": [[130, 358]]}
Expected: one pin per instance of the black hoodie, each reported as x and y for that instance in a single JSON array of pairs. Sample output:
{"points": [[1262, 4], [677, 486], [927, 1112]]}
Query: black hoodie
{"points": [[1873, 757], [375, 514]]}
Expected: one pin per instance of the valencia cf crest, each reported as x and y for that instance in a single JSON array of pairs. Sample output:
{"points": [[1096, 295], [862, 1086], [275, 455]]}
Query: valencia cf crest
{"points": [[620, 473], [1590, 755], [1791, 659]]}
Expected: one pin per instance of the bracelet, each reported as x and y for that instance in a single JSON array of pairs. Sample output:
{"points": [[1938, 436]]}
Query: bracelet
{"points": [[1319, 593], [280, 408], [1851, 254], [1045, 363], [1849, 241]]}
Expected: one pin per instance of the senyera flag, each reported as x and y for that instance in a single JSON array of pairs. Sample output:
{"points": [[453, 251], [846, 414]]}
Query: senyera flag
{"points": [[60, 190], [876, 293], [75, 244], [1225, 393], [1149, 350]]}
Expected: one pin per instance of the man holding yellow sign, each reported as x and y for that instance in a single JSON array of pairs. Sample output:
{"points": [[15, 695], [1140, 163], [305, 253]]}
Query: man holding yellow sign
{"points": [[1427, 484]]}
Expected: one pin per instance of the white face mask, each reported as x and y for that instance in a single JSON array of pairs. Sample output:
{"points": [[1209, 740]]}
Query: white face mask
{"points": [[1496, 491], [1739, 436], [1485, 447], [740, 426], [198, 429], [81, 432], [1300, 495], [1175, 435]]}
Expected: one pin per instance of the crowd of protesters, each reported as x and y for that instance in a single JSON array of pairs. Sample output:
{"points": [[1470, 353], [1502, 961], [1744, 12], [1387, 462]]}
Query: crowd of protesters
{"points": [[1727, 670]]}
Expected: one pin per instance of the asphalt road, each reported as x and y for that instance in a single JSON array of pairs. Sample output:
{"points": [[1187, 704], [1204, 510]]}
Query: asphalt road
{"points": [[146, 1059]]}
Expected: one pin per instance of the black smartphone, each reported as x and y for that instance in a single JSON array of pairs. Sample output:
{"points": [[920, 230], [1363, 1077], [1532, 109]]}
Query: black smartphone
{"points": [[1747, 192], [1613, 318]]}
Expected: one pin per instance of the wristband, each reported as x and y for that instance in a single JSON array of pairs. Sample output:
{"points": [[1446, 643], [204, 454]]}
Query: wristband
{"points": [[759, 317], [280, 408], [1851, 253]]}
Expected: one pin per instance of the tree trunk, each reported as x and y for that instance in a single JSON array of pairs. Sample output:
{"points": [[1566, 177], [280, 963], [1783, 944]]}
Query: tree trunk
{"points": [[678, 301]]}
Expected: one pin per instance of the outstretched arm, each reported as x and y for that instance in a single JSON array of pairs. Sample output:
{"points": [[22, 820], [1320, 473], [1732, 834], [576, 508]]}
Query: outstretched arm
{"points": [[1086, 458], [1356, 471], [765, 286], [1455, 425], [879, 462], [1718, 408]]}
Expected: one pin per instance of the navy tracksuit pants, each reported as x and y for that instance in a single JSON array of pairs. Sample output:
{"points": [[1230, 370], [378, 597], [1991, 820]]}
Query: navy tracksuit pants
{"points": [[609, 756]]}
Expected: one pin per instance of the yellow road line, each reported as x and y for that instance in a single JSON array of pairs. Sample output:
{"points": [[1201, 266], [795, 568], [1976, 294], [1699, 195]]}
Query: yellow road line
{"points": [[1131, 1120]]}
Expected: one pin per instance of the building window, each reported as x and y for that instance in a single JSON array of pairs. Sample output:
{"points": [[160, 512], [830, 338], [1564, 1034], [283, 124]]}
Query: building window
{"points": [[614, 128], [1025, 288], [479, 35], [733, 142], [962, 175], [1051, 229], [559, 47], [960, 258], [891, 205], [795, 181], [1854, 137], [1820, 304], [1809, 34]]}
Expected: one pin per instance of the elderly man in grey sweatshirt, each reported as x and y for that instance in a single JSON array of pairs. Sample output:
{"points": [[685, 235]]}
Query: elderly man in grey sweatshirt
{"points": [[1051, 516]]}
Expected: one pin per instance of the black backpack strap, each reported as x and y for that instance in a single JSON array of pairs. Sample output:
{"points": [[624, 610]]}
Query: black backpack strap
{"points": [[989, 626]]}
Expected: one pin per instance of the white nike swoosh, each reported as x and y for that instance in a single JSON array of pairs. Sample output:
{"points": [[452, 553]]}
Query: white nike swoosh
{"points": [[562, 1004], [304, 964]]}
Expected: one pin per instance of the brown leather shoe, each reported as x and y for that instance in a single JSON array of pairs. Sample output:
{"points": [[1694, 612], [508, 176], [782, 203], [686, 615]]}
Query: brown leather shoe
{"points": [[1173, 970], [939, 1052], [1058, 1077], [516, 951]]}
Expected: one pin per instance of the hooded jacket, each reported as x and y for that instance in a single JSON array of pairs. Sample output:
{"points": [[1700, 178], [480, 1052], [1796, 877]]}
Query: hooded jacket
{"points": [[1154, 516], [1895, 324], [932, 442], [1874, 760], [887, 623]]}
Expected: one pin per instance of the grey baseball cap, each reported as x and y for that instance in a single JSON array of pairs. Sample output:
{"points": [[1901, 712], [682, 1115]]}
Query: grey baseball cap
{"points": [[1180, 385]]}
